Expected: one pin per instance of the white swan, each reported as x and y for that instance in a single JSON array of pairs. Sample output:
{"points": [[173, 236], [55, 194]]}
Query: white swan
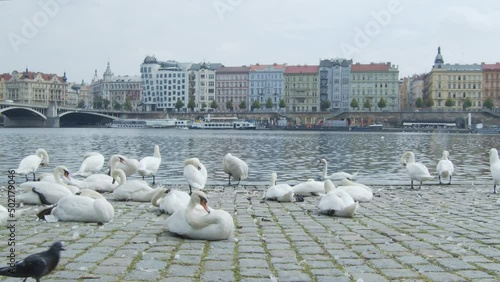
{"points": [[31, 163], [149, 165], [360, 193], [416, 171], [495, 168], [92, 163], [43, 192], [170, 200], [87, 206], [49, 177], [280, 192], [133, 190], [445, 167], [195, 174], [4, 216], [309, 188], [337, 175], [129, 166], [235, 167], [99, 182], [198, 221], [337, 202], [347, 182]]}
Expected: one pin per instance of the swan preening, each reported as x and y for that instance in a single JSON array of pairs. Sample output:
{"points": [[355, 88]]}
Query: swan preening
{"points": [[495, 168], [129, 166], [235, 167], [280, 192], [148, 166], [309, 188], [445, 167], [195, 174], [92, 163], [133, 190], [198, 221], [99, 182], [416, 171], [44, 192], [337, 202], [337, 175], [170, 200], [87, 206], [31, 163]]}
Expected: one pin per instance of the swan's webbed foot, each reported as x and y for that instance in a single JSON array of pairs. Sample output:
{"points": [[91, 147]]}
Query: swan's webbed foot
{"points": [[298, 198], [412, 185], [449, 181], [440, 180], [229, 178], [43, 200]]}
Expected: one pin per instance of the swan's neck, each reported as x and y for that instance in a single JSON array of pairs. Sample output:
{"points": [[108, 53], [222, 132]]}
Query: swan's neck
{"points": [[57, 177], [325, 168], [196, 219], [157, 152], [155, 201], [494, 158], [122, 178]]}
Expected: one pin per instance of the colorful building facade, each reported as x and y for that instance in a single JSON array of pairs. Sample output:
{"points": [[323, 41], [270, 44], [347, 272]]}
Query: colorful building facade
{"points": [[302, 88], [231, 85], [266, 83]]}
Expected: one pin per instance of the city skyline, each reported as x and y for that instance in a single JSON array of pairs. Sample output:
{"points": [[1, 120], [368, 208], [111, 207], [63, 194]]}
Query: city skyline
{"points": [[78, 37]]}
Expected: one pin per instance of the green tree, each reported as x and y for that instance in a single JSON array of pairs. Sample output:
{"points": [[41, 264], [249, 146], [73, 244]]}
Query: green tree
{"points": [[489, 103], [325, 105], [117, 106], [269, 103], [105, 103], [203, 105], [98, 103], [191, 104], [354, 104], [467, 103], [213, 105], [81, 104], [243, 105], [255, 104], [419, 103], [449, 102], [179, 104], [429, 103], [128, 104], [229, 105], [381, 103], [367, 105], [282, 104]]}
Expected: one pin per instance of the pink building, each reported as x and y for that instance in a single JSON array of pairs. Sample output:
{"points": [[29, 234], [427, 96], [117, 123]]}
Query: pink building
{"points": [[232, 85]]}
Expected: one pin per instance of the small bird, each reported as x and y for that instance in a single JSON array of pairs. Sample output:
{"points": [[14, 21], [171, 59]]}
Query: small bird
{"points": [[235, 167], [445, 167], [35, 265]]}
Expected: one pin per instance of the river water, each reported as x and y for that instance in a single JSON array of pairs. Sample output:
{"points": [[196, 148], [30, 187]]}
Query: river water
{"points": [[294, 155]]}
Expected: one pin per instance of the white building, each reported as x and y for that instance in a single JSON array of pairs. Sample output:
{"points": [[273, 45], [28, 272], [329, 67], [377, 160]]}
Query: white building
{"points": [[266, 82], [202, 84], [114, 91], [164, 83]]}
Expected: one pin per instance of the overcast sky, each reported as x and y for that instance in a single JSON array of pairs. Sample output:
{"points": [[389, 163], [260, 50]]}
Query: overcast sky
{"points": [[80, 36]]}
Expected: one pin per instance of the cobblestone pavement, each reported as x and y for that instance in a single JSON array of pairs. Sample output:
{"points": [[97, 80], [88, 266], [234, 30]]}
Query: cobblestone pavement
{"points": [[436, 233]]}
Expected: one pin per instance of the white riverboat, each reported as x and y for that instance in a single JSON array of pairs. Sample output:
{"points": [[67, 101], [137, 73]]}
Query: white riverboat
{"points": [[222, 123], [183, 124], [143, 123]]}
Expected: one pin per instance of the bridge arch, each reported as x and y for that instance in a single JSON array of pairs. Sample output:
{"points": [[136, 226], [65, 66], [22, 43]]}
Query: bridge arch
{"points": [[81, 118], [13, 112]]}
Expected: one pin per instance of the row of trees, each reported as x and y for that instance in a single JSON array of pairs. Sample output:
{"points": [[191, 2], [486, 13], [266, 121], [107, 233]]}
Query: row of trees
{"points": [[229, 104], [368, 105], [428, 103], [103, 103]]}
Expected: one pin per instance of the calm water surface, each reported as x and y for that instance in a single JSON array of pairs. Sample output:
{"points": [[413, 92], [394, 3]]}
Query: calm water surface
{"points": [[293, 155]]}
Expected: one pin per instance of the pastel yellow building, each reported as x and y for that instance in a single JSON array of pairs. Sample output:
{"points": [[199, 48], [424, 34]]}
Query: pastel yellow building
{"points": [[3, 89], [450, 86], [302, 88]]}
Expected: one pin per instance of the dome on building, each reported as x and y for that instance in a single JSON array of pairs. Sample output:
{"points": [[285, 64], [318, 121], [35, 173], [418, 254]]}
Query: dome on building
{"points": [[439, 58], [150, 60]]}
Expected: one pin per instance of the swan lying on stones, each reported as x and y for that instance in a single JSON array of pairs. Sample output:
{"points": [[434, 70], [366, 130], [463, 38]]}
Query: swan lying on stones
{"points": [[198, 221], [280, 192], [337, 175], [309, 188], [87, 206], [337, 202], [170, 200], [133, 190], [44, 192]]}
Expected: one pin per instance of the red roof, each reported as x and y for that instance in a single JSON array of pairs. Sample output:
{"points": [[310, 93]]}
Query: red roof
{"points": [[370, 67], [301, 69], [32, 75], [5, 76], [491, 66], [262, 67]]}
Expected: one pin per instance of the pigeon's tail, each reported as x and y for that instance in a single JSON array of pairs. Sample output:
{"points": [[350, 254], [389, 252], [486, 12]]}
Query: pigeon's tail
{"points": [[10, 271]]}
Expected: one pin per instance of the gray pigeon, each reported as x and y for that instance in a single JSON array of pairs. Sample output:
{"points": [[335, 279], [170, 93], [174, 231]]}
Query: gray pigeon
{"points": [[35, 265]]}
